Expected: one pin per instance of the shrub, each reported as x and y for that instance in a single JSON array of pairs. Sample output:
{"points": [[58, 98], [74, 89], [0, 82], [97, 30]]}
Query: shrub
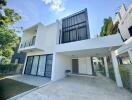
{"points": [[111, 73], [5, 60], [124, 76], [6, 69]]}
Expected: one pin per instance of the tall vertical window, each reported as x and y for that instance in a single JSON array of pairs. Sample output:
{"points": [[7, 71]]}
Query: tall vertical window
{"points": [[75, 27]]}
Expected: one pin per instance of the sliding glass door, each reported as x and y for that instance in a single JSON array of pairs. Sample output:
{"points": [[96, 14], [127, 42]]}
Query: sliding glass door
{"points": [[48, 66], [28, 65], [35, 65], [41, 66]]}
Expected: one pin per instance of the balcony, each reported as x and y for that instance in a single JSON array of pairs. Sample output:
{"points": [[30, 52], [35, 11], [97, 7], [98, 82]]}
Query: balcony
{"points": [[28, 43], [30, 40]]}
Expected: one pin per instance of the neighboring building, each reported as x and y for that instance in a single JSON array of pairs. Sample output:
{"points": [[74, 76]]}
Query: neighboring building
{"points": [[18, 57], [124, 17], [66, 45]]}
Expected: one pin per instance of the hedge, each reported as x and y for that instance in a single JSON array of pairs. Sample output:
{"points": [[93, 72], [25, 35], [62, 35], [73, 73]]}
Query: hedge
{"points": [[9, 69], [126, 75]]}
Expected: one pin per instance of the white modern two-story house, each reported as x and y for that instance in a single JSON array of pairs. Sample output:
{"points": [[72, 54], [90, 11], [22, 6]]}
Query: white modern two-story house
{"points": [[66, 45]]}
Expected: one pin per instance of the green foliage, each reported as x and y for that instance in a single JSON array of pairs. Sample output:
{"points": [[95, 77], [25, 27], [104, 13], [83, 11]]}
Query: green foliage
{"points": [[8, 37], [111, 73], [2, 3], [124, 76], [8, 68], [5, 60], [108, 28]]}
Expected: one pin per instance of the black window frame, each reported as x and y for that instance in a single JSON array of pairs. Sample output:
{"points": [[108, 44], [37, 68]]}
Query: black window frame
{"points": [[38, 65]]}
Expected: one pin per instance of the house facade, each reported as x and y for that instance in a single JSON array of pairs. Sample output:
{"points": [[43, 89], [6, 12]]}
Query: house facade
{"points": [[66, 45]]}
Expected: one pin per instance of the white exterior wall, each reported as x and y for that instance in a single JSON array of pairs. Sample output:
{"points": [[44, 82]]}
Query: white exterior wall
{"points": [[60, 64], [46, 37], [85, 66], [102, 42]]}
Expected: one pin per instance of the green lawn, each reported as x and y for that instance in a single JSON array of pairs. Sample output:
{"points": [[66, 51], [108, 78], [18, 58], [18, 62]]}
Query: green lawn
{"points": [[10, 88]]}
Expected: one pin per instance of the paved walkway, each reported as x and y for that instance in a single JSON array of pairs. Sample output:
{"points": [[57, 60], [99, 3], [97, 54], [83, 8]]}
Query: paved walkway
{"points": [[80, 88], [32, 80]]}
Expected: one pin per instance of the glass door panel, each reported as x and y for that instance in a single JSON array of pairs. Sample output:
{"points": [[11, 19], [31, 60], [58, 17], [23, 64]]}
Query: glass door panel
{"points": [[41, 67], [35, 65], [28, 65], [48, 66]]}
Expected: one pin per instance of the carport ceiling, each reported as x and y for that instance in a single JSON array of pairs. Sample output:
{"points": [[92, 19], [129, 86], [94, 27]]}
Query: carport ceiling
{"points": [[99, 52]]}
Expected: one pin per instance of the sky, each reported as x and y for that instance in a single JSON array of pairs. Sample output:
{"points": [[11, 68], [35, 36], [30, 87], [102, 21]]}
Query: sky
{"points": [[48, 11]]}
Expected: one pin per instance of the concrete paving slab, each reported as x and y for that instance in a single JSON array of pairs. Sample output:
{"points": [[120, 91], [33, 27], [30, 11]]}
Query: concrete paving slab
{"points": [[80, 88], [32, 80]]}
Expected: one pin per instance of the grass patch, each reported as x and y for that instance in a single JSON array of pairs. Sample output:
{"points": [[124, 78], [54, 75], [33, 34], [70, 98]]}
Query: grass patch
{"points": [[10, 88]]}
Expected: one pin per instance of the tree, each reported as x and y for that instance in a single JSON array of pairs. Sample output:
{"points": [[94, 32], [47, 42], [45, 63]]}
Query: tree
{"points": [[8, 37], [115, 28], [108, 28]]}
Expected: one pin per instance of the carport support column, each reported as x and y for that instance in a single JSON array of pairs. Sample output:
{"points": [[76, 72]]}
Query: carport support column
{"points": [[106, 67], [116, 69], [130, 55]]}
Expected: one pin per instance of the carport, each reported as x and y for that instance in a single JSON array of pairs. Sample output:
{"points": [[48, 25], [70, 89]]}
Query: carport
{"points": [[98, 47]]}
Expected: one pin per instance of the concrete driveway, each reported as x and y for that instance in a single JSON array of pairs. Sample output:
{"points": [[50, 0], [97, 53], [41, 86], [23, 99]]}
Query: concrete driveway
{"points": [[80, 88], [29, 79]]}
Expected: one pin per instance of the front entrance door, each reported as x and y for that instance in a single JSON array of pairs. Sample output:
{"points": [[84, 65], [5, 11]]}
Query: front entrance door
{"points": [[75, 66]]}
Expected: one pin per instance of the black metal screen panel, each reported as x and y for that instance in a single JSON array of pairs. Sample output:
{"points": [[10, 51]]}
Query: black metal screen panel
{"points": [[75, 27]]}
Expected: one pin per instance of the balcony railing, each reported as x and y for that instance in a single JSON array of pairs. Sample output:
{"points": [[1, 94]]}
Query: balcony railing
{"points": [[28, 43]]}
